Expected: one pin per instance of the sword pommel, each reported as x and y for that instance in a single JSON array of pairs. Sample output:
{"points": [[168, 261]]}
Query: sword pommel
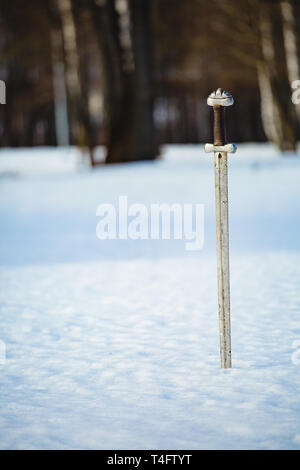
{"points": [[220, 97]]}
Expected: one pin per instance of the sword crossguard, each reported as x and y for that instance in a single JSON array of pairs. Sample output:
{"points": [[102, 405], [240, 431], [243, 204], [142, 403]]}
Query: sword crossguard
{"points": [[229, 148]]}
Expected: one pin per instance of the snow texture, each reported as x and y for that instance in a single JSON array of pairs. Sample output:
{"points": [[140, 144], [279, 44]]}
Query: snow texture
{"points": [[114, 344]]}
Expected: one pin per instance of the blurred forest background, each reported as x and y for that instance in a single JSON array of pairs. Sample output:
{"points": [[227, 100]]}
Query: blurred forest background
{"points": [[134, 74]]}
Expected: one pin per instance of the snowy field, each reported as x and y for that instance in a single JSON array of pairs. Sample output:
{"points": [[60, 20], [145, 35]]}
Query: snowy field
{"points": [[114, 344]]}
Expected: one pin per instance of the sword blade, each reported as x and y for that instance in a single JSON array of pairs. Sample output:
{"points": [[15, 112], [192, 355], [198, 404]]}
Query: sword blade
{"points": [[222, 232]]}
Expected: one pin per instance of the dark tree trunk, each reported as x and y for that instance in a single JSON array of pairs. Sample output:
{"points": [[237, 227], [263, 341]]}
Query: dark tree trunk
{"points": [[7, 116], [128, 83], [278, 114], [79, 11], [59, 88], [81, 133], [145, 145]]}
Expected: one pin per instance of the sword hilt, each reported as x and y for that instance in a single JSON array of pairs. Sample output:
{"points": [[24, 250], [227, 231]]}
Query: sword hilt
{"points": [[219, 125], [219, 100]]}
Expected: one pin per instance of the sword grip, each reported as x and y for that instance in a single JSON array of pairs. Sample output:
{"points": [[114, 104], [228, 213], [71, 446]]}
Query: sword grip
{"points": [[219, 125]]}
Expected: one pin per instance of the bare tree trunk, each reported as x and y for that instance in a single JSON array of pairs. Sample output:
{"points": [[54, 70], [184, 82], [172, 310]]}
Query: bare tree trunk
{"points": [[6, 114], [267, 105], [124, 40], [80, 11], [107, 28], [71, 64], [59, 90], [290, 44], [278, 115], [145, 145], [78, 112]]}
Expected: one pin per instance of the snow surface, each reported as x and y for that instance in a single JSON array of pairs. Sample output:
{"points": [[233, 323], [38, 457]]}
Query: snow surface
{"points": [[114, 344]]}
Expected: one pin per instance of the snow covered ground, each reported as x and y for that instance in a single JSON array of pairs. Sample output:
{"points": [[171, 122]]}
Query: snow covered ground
{"points": [[114, 344]]}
